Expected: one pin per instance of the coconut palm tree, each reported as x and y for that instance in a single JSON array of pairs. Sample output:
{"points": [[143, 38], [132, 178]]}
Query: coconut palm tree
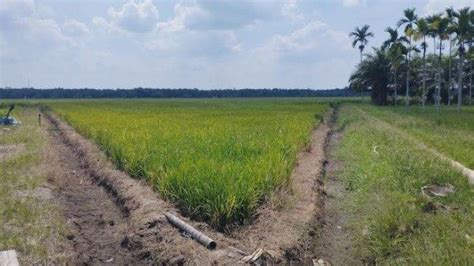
{"points": [[462, 30], [422, 31], [408, 21], [396, 50]]}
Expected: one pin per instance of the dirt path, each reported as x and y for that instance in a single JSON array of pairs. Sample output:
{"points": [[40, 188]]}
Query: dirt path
{"points": [[332, 242]]}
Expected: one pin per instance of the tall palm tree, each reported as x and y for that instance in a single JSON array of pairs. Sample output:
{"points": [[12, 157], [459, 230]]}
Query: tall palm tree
{"points": [[441, 30], [361, 36], [408, 21], [396, 50], [433, 22], [450, 17], [462, 30], [471, 54], [423, 30]]}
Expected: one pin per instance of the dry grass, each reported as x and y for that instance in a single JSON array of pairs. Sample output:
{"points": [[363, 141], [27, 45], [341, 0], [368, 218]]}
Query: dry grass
{"points": [[29, 219]]}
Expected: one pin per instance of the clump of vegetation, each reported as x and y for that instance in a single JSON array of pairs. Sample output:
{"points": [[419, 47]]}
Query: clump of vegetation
{"points": [[403, 65], [216, 159], [392, 221]]}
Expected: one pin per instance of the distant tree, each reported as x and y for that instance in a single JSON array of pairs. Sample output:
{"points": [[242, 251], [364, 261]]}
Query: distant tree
{"points": [[360, 36], [422, 31], [450, 17], [408, 21], [396, 49], [439, 26], [471, 54], [463, 29], [374, 72]]}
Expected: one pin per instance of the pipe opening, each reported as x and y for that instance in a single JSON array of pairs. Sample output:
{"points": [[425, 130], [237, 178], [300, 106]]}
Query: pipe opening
{"points": [[212, 245]]}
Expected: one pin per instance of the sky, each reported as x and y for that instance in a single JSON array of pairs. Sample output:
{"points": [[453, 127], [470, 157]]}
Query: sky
{"points": [[191, 43]]}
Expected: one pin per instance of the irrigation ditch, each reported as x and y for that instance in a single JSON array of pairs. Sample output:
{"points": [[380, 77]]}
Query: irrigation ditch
{"points": [[114, 218]]}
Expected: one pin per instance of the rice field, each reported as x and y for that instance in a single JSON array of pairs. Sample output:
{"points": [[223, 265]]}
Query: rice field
{"points": [[217, 160]]}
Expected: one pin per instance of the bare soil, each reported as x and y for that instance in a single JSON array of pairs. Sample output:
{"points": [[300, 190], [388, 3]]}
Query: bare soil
{"points": [[116, 219], [333, 241], [97, 226]]}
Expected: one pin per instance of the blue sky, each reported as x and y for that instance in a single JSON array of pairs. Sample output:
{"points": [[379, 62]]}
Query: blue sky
{"points": [[194, 44]]}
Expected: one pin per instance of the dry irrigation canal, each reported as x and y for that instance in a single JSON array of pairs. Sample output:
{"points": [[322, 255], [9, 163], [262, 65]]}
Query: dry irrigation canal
{"points": [[269, 180]]}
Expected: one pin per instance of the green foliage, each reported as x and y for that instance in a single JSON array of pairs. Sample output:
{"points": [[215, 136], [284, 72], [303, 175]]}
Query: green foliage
{"points": [[384, 171], [216, 159], [360, 36], [374, 72], [449, 132]]}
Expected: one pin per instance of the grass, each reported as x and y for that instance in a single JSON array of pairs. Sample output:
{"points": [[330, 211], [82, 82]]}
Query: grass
{"points": [[216, 159], [448, 131], [30, 225], [384, 171]]}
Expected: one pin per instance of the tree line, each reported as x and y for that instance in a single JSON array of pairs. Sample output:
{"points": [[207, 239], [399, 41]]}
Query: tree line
{"points": [[406, 64], [58, 93]]}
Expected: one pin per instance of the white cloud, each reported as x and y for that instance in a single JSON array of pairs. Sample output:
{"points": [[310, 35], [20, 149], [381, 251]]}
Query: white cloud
{"points": [[75, 28], [201, 43], [185, 43], [12, 12], [351, 3], [133, 16], [434, 6], [196, 31], [183, 15], [23, 20], [315, 36], [290, 9], [228, 14]]}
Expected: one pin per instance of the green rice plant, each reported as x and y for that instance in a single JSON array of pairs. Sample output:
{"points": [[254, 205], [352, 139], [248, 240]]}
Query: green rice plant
{"points": [[217, 160]]}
